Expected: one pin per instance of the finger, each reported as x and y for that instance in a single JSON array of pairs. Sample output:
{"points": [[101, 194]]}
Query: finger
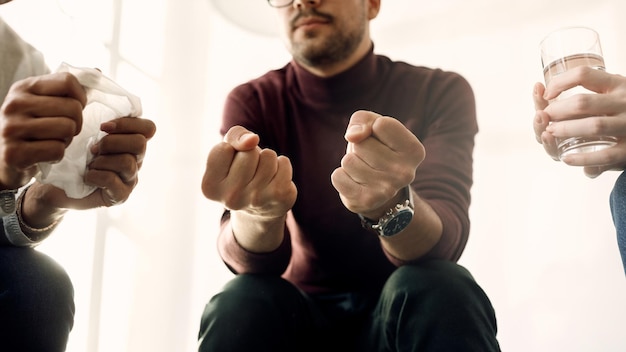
{"points": [[124, 165], [393, 134], [134, 144], [595, 80], [130, 125], [241, 139], [111, 190], [25, 130], [360, 125], [549, 145], [582, 105], [589, 126], [359, 171], [266, 170], [115, 195], [607, 159], [111, 180], [540, 123], [371, 160], [345, 185], [243, 168], [54, 117], [595, 171], [284, 172], [592, 171], [280, 194], [43, 106], [538, 92], [355, 196], [217, 168], [61, 84], [26, 155]]}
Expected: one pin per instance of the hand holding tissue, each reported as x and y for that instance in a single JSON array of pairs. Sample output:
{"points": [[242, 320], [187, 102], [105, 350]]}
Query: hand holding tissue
{"points": [[106, 101]]}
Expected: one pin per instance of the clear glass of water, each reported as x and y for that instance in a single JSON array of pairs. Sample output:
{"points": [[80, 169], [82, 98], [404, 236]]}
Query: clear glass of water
{"points": [[565, 49]]}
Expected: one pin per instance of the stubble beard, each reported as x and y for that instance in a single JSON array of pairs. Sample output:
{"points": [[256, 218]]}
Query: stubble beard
{"points": [[317, 52]]}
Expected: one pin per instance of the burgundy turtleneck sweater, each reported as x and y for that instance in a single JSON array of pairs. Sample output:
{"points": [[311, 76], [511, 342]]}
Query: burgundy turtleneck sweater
{"points": [[304, 117]]}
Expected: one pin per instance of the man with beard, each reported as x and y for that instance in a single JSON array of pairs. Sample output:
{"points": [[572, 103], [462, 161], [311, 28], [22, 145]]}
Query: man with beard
{"points": [[345, 179], [40, 114]]}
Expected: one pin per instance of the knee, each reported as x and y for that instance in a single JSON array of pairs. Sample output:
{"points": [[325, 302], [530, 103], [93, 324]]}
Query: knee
{"points": [[31, 279], [437, 281], [257, 288], [251, 295], [434, 273], [36, 296]]}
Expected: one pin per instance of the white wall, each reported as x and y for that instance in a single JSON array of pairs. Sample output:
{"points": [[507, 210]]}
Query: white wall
{"points": [[542, 243]]}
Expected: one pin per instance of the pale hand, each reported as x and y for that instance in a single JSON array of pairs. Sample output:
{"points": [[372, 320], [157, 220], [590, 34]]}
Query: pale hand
{"points": [[381, 158], [583, 115]]}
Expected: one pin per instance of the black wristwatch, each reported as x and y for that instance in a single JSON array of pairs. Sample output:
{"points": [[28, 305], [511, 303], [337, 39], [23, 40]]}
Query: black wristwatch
{"points": [[395, 219]]}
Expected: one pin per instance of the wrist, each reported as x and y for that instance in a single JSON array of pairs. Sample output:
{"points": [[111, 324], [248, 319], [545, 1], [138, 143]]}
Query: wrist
{"points": [[34, 230], [257, 234], [395, 219]]}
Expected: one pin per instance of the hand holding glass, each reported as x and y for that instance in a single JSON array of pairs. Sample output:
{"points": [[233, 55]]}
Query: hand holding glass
{"points": [[565, 49]]}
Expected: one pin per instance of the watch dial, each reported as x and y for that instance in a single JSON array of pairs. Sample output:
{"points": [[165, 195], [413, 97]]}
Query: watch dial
{"points": [[398, 223]]}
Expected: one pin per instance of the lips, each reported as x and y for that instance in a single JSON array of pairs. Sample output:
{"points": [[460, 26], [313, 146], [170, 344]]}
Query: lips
{"points": [[308, 21]]}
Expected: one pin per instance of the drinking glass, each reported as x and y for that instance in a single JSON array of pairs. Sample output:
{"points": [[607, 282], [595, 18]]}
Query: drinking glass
{"points": [[565, 49]]}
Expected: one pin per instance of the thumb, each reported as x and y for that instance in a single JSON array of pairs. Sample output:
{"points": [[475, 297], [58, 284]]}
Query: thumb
{"points": [[360, 126], [241, 139]]}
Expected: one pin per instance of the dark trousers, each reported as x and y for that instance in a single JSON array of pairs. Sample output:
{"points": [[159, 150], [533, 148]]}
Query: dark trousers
{"points": [[434, 306], [36, 302]]}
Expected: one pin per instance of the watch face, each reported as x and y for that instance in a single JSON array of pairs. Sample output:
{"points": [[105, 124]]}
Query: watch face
{"points": [[398, 223]]}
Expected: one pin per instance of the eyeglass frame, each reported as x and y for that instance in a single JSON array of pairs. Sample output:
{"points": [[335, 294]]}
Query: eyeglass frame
{"points": [[270, 2]]}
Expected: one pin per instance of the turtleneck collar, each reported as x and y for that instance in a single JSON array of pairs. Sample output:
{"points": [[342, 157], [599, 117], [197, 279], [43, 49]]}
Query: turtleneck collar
{"points": [[343, 88]]}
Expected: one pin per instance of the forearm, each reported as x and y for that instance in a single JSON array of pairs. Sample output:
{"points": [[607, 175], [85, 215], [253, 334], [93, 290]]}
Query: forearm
{"points": [[36, 211], [422, 234]]}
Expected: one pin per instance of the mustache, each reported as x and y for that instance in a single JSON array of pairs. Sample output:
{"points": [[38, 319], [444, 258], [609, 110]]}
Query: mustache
{"points": [[309, 13]]}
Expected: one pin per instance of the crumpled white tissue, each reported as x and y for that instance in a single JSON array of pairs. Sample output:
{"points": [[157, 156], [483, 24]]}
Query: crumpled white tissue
{"points": [[106, 101]]}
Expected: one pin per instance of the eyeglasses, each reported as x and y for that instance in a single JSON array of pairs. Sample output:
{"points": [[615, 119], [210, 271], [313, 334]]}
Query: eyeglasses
{"points": [[280, 3]]}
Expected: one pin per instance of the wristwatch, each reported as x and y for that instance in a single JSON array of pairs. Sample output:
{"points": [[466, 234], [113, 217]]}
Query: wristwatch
{"points": [[395, 219], [7, 201]]}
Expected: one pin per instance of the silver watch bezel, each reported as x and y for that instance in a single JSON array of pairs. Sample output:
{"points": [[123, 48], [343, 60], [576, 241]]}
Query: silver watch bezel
{"points": [[400, 209]]}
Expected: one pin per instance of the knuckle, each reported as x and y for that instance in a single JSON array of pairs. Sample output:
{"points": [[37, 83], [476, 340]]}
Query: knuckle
{"points": [[598, 126], [11, 129], [582, 72], [231, 199], [581, 103], [67, 78], [128, 163], [15, 103]]}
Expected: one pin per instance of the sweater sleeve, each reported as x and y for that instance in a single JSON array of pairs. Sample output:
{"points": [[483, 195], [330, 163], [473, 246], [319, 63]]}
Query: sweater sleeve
{"points": [[242, 108], [239, 260], [444, 178]]}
